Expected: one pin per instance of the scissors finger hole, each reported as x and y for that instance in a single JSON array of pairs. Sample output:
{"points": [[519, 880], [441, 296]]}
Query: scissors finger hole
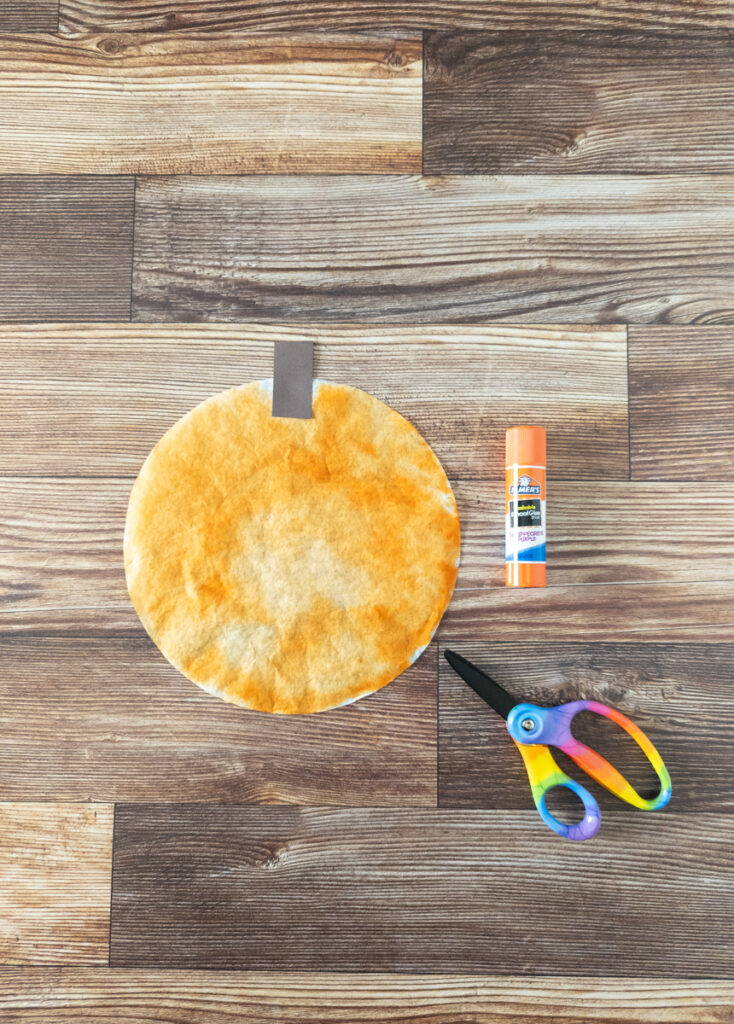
{"points": [[589, 824], [565, 805], [618, 747]]}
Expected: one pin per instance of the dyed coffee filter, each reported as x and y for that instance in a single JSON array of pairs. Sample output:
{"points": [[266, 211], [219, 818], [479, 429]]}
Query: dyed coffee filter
{"points": [[291, 565]]}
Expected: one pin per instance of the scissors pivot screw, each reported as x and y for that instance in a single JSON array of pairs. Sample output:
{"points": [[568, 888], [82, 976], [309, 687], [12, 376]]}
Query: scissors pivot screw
{"points": [[527, 724]]}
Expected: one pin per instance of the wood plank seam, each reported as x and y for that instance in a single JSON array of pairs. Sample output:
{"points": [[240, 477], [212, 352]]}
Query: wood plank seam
{"points": [[132, 243], [629, 415], [112, 882]]}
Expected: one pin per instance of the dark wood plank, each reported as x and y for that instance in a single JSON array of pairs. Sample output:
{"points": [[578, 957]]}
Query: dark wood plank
{"points": [[449, 891], [65, 248], [216, 997], [563, 101], [93, 400], [677, 693], [601, 532], [55, 868], [645, 612], [110, 719], [220, 104], [682, 408], [78, 16], [29, 16], [533, 249]]}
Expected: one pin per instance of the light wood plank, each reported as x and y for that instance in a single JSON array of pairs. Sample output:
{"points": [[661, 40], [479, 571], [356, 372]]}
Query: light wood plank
{"points": [[55, 865], [701, 612], [682, 411], [60, 539], [698, 612], [206, 997], [198, 104], [90, 621], [65, 247], [61, 543], [533, 249], [605, 102], [79, 16], [679, 694], [29, 16], [92, 400], [604, 532], [109, 719], [467, 891]]}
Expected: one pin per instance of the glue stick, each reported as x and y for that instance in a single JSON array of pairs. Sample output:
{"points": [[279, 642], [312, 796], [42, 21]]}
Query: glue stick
{"points": [[525, 507]]}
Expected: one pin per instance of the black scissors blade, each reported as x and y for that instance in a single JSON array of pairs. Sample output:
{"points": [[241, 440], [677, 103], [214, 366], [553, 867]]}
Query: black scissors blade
{"points": [[487, 689]]}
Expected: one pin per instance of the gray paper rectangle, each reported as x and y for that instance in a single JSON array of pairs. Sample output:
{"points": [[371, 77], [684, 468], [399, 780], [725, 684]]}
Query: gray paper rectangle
{"points": [[293, 379]]}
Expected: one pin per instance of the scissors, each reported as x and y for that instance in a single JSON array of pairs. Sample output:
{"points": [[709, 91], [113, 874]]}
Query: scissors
{"points": [[534, 729]]}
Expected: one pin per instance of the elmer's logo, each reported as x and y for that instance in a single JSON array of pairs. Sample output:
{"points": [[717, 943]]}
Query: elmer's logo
{"points": [[525, 485]]}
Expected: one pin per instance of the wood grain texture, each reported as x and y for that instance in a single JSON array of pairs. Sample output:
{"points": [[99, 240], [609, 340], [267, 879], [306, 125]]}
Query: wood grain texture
{"points": [[61, 544], [79, 16], [120, 723], [697, 612], [603, 102], [55, 864], [636, 612], [100, 413], [29, 16], [602, 532], [466, 891], [534, 249], [682, 408], [200, 104], [677, 693], [206, 997], [65, 247], [60, 539]]}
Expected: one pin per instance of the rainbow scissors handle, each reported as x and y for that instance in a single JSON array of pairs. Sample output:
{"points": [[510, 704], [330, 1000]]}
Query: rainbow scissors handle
{"points": [[534, 729]]}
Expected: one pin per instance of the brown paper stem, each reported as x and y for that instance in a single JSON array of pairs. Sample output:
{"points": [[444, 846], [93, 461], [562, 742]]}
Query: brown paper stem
{"points": [[293, 379]]}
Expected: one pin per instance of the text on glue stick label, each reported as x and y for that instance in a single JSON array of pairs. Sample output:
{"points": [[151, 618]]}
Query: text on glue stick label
{"points": [[525, 514]]}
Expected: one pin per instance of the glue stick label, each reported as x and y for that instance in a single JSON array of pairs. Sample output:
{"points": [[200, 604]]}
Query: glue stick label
{"points": [[525, 513]]}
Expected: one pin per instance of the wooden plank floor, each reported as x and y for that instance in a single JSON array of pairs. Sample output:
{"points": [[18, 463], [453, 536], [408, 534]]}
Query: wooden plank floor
{"points": [[128, 383], [609, 102], [681, 395], [29, 16], [65, 247], [532, 249], [311, 889], [209, 104], [661, 685], [56, 877], [148, 738], [78, 16], [255, 998], [483, 214]]}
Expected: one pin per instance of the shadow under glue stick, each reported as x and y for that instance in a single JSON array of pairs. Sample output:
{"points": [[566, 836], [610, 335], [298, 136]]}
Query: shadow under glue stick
{"points": [[525, 507]]}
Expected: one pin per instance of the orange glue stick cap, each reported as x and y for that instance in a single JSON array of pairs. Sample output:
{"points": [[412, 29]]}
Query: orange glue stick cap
{"points": [[525, 446]]}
